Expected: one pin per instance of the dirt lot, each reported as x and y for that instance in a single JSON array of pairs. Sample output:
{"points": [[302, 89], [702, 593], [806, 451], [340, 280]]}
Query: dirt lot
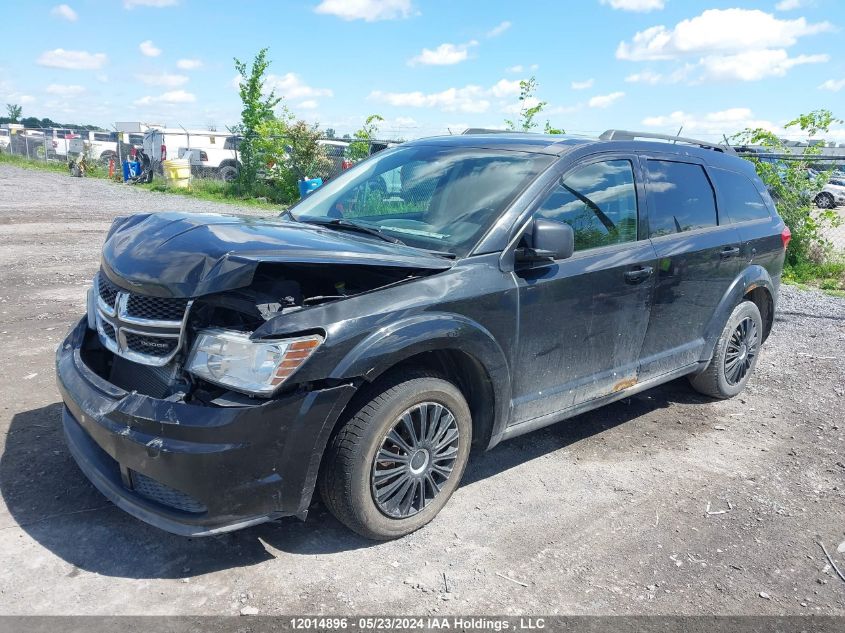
{"points": [[605, 513]]}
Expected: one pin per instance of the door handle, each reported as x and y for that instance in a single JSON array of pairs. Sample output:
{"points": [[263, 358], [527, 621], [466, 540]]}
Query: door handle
{"points": [[638, 274], [731, 251]]}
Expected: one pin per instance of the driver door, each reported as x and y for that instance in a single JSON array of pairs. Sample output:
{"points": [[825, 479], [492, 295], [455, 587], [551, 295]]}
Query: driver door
{"points": [[582, 320]]}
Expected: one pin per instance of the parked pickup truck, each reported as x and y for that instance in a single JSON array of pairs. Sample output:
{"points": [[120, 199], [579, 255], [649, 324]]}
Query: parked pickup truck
{"points": [[226, 164], [230, 367]]}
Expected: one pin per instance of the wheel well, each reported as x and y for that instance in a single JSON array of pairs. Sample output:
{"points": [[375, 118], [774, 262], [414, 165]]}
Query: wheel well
{"points": [[230, 163], [466, 373], [762, 298]]}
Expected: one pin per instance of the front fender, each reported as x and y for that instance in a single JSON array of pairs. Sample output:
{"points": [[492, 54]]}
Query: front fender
{"points": [[752, 277], [432, 331]]}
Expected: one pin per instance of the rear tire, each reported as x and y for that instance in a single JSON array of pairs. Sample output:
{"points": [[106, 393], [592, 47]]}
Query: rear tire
{"points": [[228, 173], [388, 498], [735, 355], [825, 201]]}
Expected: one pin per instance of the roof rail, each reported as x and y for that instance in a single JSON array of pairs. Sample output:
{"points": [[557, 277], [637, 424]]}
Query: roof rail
{"points": [[626, 135]]}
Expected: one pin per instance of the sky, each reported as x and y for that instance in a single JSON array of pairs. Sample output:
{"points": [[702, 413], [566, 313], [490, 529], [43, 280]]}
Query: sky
{"points": [[431, 66]]}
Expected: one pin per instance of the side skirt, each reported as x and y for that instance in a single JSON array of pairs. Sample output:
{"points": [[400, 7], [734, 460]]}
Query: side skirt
{"points": [[558, 416]]}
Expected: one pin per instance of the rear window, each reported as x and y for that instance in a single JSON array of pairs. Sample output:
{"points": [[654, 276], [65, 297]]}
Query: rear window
{"points": [[741, 198], [680, 198]]}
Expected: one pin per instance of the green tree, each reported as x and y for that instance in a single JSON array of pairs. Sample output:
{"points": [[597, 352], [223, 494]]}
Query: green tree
{"points": [[291, 152], [14, 111], [793, 186], [529, 109], [359, 149], [257, 109], [330, 132]]}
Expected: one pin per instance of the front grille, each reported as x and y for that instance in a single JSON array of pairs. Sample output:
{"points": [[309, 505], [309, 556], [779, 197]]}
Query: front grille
{"points": [[109, 330], [108, 291], [151, 345], [165, 495], [156, 308], [140, 328], [143, 379]]}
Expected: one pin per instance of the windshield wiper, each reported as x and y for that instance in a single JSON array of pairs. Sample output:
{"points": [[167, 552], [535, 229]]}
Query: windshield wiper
{"points": [[354, 226]]}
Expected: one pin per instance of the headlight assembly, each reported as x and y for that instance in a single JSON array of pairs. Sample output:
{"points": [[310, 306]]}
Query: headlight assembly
{"points": [[231, 359]]}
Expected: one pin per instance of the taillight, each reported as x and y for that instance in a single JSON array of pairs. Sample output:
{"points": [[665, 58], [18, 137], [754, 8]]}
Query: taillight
{"points": [[55, 144], [164, 152], [346, 164], [785, 236]]}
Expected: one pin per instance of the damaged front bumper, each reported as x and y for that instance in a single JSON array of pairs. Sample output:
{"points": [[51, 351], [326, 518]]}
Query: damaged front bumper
{"points": [[193, 469]]}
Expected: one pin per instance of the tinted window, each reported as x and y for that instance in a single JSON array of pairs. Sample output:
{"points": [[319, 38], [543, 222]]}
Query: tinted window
{"points": [[742, 200], [599, 201], [680, 198]]}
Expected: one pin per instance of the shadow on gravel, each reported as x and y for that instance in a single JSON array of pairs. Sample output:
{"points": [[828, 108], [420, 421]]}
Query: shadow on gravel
{"points": [[50, 499]]}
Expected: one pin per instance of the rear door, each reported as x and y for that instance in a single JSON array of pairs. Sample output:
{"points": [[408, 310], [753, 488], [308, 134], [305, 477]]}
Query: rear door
{"points": [[698, 257], [582, 320]]}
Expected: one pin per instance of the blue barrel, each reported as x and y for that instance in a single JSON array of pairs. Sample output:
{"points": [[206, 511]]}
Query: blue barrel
{"points": [[307, 186], [131, 169]]}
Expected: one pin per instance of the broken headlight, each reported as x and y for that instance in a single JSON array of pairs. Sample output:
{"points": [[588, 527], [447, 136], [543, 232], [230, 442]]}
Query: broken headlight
{"points": [[232, 359]]}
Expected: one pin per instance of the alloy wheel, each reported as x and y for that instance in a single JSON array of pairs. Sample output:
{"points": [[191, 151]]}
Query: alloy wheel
{"points": [[741, 350], [415, 460]]}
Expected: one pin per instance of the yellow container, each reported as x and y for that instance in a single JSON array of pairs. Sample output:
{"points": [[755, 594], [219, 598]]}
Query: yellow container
{"points": [[177, 172]]}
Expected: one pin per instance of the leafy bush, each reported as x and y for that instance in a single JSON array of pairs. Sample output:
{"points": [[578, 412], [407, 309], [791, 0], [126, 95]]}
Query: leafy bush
{"points": [[793, 186]]}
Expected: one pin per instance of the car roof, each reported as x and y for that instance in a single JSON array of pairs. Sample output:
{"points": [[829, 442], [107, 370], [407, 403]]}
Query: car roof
{"points": [[561, 144]]}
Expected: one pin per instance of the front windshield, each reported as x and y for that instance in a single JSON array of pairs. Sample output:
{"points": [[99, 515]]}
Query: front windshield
{"points": [[427, 196]]}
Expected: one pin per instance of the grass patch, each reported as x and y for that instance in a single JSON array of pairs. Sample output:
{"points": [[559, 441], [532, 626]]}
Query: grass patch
{"points": [[214, 190], [55, 166], [829, 276]]}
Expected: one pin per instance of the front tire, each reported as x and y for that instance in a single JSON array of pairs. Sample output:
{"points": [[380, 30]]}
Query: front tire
{"points": [[395, 462], [735, 355]]}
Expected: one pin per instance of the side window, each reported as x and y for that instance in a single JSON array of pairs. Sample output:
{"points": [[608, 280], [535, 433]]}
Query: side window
{"points": [[599, 202], [742, 200], [680, 198]]}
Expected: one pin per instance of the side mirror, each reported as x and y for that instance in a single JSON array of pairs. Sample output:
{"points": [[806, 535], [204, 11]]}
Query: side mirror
{"points": [[547, 240]]}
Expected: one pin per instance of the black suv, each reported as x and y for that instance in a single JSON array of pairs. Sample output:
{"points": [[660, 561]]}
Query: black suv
{"points": [[446, 293]]}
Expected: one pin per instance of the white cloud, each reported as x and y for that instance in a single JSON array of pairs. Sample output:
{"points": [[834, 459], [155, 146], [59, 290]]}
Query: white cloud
{"points": [[292, 87], [167, 80], [834, 85], [172, 97], [505, 88], [148, 49], [72, 60], [467, 99], [754, 65], [443, 55], [518, 68], [641, 6], [470, 98], [605, 101], [20, 99], [513, 108], [189, 64], [308, 104], [644, 77], [790, 5], [718, 30], [582, 85], [714, 124], [499, 29], [367, 10], [65, 89], [158, 4], [65, 12]]}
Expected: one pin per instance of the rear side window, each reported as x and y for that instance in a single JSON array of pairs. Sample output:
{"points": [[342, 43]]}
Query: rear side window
{"points": [[680, 198], [741, 198], [599, 202]]}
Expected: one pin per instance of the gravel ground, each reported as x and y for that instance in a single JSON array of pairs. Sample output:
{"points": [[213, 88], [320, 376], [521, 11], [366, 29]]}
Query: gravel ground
{"points": [[663, 503]]}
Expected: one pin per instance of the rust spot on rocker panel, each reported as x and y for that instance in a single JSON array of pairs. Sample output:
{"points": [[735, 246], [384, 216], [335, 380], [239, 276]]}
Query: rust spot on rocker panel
{"points": [[624, 384]]}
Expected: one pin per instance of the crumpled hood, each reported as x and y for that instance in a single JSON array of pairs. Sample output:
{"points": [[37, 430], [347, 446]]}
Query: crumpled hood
{"points": [[175, 254]]}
